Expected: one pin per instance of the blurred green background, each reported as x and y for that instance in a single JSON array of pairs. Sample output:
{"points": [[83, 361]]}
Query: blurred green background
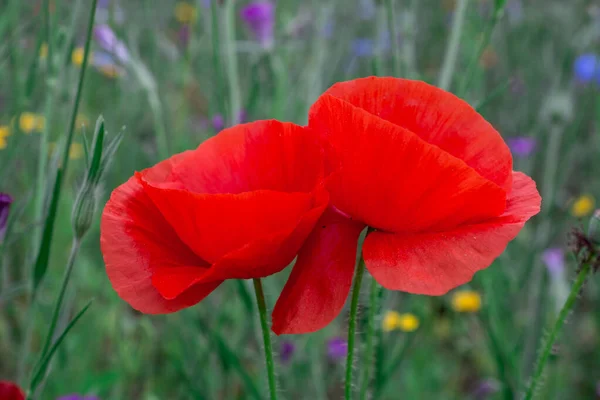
{"points": [[190, 68]]}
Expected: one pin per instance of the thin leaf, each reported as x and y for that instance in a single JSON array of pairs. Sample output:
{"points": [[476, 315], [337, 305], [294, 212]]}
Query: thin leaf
{"points": [[40, 371]]}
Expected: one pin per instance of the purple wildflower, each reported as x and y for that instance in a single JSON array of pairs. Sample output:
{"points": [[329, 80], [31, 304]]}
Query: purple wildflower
{"points": [[5, 202], [107, 39], [363, 47], [205, 3], [554, 258], [184, 35], [485, 388], [337, 348], [103, 3], [522, 146], [218, 122], [514, 10], [287, 351], [260, 17], [586, 66]]}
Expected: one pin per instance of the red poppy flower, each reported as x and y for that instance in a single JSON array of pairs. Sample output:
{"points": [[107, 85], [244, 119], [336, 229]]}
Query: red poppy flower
{"points": [[10, 391], [238, 207], [430, 177]]}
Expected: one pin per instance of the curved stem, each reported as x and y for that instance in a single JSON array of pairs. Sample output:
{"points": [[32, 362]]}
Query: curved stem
{"points": [[262, 312], [370, 350], [360, 269], [560, 321]]}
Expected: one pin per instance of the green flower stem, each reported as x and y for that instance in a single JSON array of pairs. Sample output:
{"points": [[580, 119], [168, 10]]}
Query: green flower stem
{"points": [[370, 349], [445, 80], [235, 103], [360, 269], [59, 301], [391, 21], [262, 312], [560, 321]]}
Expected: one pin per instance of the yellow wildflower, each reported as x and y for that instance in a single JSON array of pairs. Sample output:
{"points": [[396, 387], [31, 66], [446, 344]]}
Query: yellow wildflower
{"points": [[76, 151], [583, 206], [466, 301], [43, 51], [111, 71], [77, 56], [408, 322], [405, 322], [30, 122], [185, 13], [82, 120], [4, 133]]}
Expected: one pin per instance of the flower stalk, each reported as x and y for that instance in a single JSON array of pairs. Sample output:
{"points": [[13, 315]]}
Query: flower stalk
{"points": [[360, 270], [262, 312], [560, 321]]}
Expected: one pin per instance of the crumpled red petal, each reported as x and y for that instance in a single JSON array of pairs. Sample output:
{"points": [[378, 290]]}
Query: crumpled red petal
{"points": [[432, 263], [320, 281], [393, 180], [438, 117], [137, 242], [261, 257], [261, 155]]}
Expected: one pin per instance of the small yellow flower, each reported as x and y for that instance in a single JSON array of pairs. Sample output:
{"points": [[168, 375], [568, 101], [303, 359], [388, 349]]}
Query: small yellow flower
{"points": [[76, 151], [466, 301], [583, 206], [4, 133], [82, 120], [44, 51], [405, 322], [390, 321], [185, 13], [30, 122], [77, 56], [111, 71], [408, 322]]}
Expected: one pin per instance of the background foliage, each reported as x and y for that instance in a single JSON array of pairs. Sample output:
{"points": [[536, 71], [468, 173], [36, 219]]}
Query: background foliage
{"points": [[178, 82]]}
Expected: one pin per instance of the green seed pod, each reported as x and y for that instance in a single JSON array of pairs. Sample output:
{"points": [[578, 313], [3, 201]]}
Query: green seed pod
{"points": [[594, 227], [84, 210]]}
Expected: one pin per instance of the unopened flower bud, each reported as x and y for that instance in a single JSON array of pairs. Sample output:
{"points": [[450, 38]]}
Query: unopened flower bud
{"points": [[594, 227], [84, 210]]}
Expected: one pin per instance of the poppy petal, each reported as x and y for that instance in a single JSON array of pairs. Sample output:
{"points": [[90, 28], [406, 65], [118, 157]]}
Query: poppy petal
{"points": [[393, 180], [137, 243], [438, 117], [318, 286], [434, 263], [214, 225], [261, 155]]}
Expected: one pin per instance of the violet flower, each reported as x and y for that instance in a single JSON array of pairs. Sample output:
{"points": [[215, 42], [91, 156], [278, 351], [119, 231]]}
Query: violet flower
{"points": [[485, 388], [554, 259], [5, 202], [522, 146], [106, 38], [260, 18], [586, 66], [286, 351], [337, 348]]}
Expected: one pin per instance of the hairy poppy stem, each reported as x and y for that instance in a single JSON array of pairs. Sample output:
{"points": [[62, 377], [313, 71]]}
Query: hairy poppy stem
{"points": [[360, 269], [560, 321], [262, 312], [374, 298]]}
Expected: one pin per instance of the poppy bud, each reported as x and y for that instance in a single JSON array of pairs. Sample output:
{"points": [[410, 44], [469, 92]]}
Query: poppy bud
{"points": [[594, 227], [83, 211]]}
